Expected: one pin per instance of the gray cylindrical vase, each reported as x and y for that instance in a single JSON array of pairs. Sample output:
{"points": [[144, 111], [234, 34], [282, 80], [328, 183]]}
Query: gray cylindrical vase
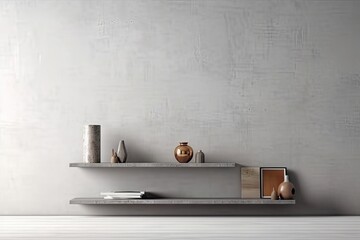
{"points": [[91, 143], [199, 157]]}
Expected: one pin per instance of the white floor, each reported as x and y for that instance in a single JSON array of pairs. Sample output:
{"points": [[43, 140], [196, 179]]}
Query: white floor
{"points": [[89, 228]]}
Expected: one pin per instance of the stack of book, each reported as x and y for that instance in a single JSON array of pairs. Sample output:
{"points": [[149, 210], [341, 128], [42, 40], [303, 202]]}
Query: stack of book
{"points": [[123, 194]]}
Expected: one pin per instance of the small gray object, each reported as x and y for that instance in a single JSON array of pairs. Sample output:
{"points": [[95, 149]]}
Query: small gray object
{"points": [[199, 157]]}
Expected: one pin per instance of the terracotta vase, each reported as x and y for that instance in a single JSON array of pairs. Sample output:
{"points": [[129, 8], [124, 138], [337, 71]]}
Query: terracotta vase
{"points": [[274, 195], [200, 157], [286, 189], [183, 153]]}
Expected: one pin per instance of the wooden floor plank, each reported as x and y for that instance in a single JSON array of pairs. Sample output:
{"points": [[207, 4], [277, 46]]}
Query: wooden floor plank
{"points": [[76, 227]]}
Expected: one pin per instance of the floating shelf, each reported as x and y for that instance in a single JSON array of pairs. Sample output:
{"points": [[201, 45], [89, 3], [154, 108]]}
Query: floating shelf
{"points": [[178, 201], [154, 165]]}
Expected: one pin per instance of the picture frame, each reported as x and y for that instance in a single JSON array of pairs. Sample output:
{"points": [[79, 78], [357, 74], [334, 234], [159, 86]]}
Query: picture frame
{"points": [[271, 177]]}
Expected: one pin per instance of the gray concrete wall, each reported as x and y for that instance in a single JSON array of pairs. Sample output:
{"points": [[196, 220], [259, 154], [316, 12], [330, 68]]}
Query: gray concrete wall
{"points": [[260, 83]]}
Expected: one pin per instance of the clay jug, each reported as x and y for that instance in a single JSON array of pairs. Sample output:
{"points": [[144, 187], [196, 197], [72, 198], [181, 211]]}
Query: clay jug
{"points": [[286, 189]]}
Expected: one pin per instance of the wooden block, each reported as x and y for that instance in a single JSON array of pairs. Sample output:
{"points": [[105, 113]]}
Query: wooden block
{"points": [[250, 182]]}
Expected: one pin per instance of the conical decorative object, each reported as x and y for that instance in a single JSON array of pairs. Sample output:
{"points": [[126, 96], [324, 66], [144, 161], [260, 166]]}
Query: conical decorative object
{"points": [[122, 153], [199, 157], [274, 195], [286, 189]]}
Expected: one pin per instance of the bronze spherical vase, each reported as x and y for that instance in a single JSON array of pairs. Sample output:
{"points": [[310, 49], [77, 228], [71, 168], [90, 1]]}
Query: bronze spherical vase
{"points": [[286, 189], [183, 153]]}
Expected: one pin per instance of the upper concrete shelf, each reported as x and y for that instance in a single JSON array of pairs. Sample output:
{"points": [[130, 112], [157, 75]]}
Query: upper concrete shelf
{"points": [[154, 165], [178, 201]]}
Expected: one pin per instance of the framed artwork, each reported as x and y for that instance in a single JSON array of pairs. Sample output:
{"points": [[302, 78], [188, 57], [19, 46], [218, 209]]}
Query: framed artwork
{"points": [[271, 177]]}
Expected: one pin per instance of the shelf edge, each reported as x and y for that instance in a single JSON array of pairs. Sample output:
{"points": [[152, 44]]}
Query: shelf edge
{"points": [[179, 201], [154, 165]]}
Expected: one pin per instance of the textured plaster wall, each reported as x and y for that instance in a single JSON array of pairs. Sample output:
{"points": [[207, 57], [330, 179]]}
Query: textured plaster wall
{"points": [[260, 83]]}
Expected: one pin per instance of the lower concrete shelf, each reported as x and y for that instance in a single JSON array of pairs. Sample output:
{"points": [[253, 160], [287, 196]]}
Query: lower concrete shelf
{"points": [[155, 165], [170, 201]]}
